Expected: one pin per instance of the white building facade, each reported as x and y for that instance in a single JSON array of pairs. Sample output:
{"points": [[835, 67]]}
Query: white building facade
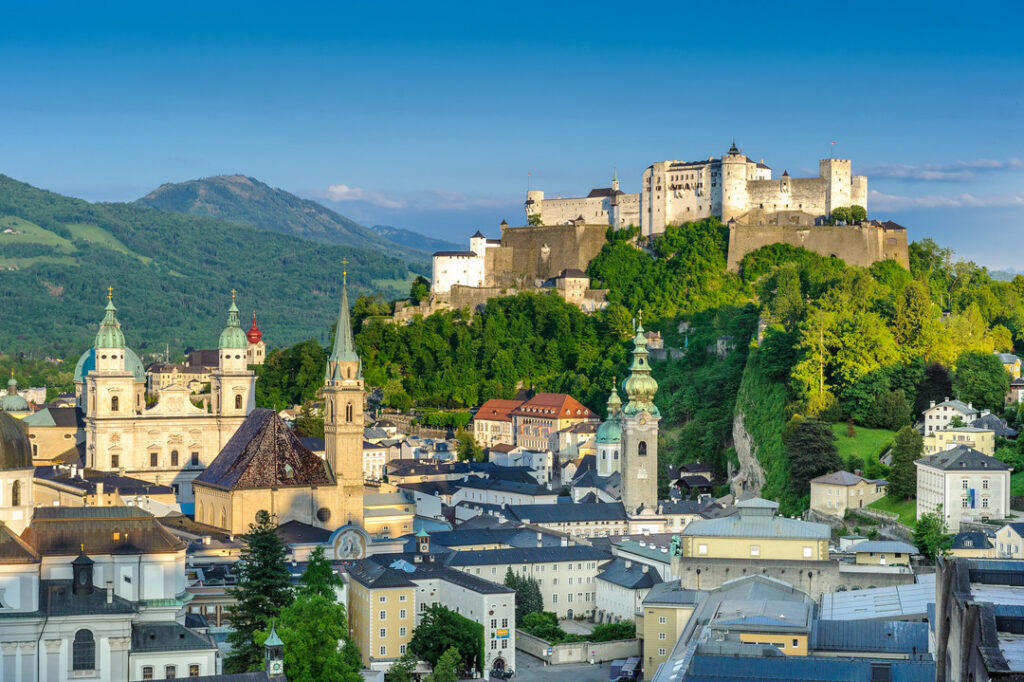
{"points": [[968, 485]]}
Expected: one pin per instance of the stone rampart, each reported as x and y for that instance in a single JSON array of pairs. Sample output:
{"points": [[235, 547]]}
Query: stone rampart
{"points": [[576, 652], [859, 245], [530, 255]]}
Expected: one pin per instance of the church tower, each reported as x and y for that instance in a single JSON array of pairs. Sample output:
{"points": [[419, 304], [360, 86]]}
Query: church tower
{"points": [[232, 384], [343, 413], [110, 387], [609, 437], [639, 420]]}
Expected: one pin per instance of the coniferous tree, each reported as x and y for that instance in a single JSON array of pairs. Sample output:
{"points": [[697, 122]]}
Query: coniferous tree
{"points": [[811, 449], [263, 589], [906, 448]]}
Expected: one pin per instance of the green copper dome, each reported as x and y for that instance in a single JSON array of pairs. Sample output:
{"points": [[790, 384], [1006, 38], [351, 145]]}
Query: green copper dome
{"points": [[609, 432], [109, 335], [15, 449], [233, 336], [640, 386], [87, 363], [11, 401]]}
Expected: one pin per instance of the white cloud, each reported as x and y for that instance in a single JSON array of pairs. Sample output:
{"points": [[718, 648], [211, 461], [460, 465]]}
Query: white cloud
{"points": [[346, 193], [958, 171], [894, 202]]}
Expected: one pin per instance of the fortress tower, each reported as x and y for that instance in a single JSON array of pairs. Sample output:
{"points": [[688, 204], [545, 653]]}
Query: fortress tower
{"points": [[343, 414], [838, 183], [735, 199]]}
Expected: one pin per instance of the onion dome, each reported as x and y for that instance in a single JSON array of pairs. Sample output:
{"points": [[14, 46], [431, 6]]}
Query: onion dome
{"points": [[15, 449], [254, 334], [11, 401], [640, 386], [87, 363], [610, 431], [233, 336], [109, 335]]}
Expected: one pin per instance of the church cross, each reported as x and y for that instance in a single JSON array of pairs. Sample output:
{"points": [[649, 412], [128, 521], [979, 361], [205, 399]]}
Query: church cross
{"points": [[110, 293]]}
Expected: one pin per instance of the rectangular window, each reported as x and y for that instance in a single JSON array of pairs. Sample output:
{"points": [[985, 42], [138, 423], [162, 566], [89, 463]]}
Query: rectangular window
{"points": [[401, 632], [193, 670], [401, 597], [147, 672], [170, 672], [494, 644], [174, 458], [504, 644], [661, 635], [554, 599], [755, 550], [702, 549], [984, 484], [383, 651], [195, 459], [401, 613], [963, 484], [115, 462], [383, 633], [152, 459], [796, 642], [401, 648], [661, 619], [494, 622], [382, 599], [504, 622], [661, 652], [568, 597], [808, 552], [383, 615]]}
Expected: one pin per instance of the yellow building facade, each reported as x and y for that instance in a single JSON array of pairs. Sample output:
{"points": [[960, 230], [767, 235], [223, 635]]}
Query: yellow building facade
{"points": [[834, 493], [667, 609], [982, 440], [756, 532], [381, 612]]}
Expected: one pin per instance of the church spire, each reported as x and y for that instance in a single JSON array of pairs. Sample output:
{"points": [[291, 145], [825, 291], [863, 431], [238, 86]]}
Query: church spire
{"points": [[640, 386], [344, 343], [109, 335], [233, 337]]}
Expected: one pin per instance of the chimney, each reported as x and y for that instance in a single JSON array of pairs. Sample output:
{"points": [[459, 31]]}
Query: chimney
{"points": [[643, 568], [206, 539], [969, 405], [932, 403], [629, 564], [99, 491], [110, 591], [565, 542]]}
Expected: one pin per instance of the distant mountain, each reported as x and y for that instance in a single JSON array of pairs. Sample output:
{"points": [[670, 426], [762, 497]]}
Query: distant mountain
{"points": [[247, 201], [172, 275], [415, 240], [1004, 275]]}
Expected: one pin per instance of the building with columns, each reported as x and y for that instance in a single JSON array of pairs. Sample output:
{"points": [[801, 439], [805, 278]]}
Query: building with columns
{"points": [[171, 441]]}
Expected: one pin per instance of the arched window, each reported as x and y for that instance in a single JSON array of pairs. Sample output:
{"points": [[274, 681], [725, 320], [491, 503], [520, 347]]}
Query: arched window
{"points": [[199, 516], [174, 458], [16, 494], [238, 402], [641, 448], [83, 651], [114, 404], [223, 517], [349, 372], [348, 413]]}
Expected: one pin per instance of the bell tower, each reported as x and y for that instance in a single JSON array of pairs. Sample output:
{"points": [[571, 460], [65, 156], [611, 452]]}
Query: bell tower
{"points": [[343, 413], [639, 419], [232, 384]]}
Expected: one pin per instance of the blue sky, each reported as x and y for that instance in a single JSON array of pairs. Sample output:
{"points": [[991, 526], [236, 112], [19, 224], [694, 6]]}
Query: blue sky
{"points": [[430, 115]]}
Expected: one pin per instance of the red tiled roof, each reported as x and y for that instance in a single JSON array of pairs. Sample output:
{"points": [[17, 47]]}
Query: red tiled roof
{"points": [[497, 410], [554, 406]]}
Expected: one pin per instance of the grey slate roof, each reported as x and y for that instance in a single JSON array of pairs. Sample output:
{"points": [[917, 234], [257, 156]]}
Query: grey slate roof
{"points": [[963, 458], [373, 574], [723, 668], [526, 555], [973, 539], [632, 578], [996, 424], [844, 478], [502, 485], [147, 637], [462, 537], [883, 547], [430, 571], [298, 532], [57, 599], [671, 594], [566, 513], [746, 525], [870, 636]]}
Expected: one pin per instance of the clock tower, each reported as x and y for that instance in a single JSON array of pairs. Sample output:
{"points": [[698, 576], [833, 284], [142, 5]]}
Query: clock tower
{"points": [[639, 420]]}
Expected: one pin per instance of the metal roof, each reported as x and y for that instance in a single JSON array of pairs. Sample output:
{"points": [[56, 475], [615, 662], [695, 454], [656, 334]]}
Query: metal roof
{"points": [[706, 668], [567, 513], [526, 555], [672, 594], [636, 577], [867, 636], [883, 547], [963, 458], [881, 603], [746, 525]]}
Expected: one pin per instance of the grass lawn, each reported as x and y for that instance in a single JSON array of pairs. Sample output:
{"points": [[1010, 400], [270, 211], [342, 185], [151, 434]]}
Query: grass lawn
{"points": [[907, 509], [866, 443], [1017, 483], [95, 233], [30, 233]]}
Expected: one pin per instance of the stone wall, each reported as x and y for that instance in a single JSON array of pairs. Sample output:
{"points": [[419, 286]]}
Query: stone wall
{"points": [[746, 451], [529, 255], [859, 245], [576, 652]]}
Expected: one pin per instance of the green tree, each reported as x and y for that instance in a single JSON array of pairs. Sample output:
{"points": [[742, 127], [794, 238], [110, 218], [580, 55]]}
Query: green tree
{"points": [[308, 424], [906, 448], [981, 379], [811, 450], [402, 669], [440, 629], [469, 450], [535, 220], [930, 535], [936, 384], [528, 595], [263, 589], [448, 667], [311, 628], [891, 410], [858, 214], [840, 214], [420, 290], [319, 577]]}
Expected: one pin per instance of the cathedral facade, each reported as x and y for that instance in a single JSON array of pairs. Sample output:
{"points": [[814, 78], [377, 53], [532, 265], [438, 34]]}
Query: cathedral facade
{"points": [[169, 442]]}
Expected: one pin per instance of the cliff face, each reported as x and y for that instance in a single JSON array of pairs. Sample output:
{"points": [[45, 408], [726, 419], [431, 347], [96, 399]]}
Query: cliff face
{"points": [[750, 477]]}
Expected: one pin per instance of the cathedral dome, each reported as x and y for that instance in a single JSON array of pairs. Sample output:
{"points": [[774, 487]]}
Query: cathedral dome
{"points": [[15, 450], [254, 334], [233, 337], [87, 363], [11, 401], [609, 432]]}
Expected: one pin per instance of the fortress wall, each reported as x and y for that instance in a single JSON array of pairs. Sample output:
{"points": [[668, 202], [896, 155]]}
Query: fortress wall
{"points": [[859, 191], [558, 211], [805, 194], [528, 254], [859, 245]]}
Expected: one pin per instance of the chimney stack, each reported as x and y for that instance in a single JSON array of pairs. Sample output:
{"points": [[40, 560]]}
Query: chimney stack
{"points": [[110, 591], [643, 568]]}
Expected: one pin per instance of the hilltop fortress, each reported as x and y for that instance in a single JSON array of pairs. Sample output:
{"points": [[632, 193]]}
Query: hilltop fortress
{"points": [[741, 192]]}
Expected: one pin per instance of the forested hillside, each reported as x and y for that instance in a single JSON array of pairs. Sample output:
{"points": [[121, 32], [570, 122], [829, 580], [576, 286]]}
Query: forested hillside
{"points": [[247, 201], [172, 275]]}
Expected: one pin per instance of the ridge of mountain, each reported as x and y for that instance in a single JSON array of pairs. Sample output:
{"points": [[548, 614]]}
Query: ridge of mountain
{"points": [[415, 240], [172, 275], [247, 201]]}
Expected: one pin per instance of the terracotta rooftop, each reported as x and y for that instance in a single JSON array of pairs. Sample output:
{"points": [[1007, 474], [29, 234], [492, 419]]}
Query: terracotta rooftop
{"points": [[554, 406], [497, 410]]}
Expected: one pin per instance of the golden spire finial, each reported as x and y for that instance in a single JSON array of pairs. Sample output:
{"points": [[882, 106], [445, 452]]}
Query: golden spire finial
{"points": [[83, 547], [110, 293], [232, 295], [640, 316]]}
